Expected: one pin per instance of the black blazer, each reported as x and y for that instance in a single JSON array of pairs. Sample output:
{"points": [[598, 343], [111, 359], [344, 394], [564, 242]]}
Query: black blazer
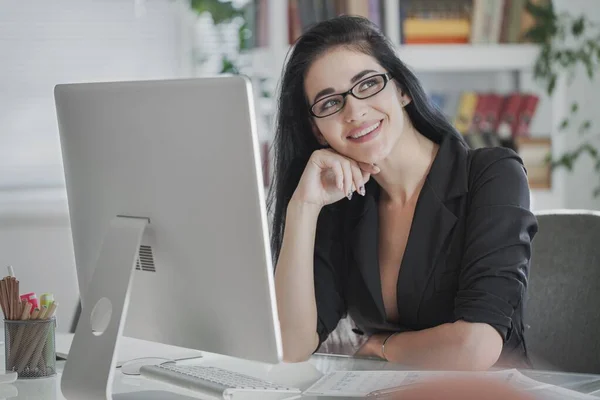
{"points": [[467, 255]]}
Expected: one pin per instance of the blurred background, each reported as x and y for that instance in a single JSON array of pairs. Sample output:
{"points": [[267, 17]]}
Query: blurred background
{"points": [[515, 73]]}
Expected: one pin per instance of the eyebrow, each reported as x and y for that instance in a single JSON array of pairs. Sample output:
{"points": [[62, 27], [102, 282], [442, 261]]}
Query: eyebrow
{"points": [[353, 80]]}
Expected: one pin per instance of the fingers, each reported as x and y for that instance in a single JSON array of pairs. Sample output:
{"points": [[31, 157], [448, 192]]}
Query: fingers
{"points": [[337, 169], [357, 178], [350, 175], [348, 180], [370, 168], [366, 176]]}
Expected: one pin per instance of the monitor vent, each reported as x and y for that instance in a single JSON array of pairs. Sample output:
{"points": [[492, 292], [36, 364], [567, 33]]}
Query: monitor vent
{"points": [[145, 261]]}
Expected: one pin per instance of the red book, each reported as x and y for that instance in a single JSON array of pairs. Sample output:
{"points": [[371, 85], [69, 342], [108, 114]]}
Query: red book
{"points": [[507, 124], [479, 114], [529, 104], [492, 113]]}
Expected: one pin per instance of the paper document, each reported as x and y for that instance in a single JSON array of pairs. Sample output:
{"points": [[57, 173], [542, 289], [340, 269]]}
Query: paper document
{"points": [[371, 383]]}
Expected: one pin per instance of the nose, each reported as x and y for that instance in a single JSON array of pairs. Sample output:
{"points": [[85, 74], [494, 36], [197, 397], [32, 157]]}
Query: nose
{"points": [[354, 109]]}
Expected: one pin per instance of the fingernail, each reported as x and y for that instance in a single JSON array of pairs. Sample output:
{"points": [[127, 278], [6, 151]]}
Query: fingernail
{"points": [[361, 190], [349, 196]]}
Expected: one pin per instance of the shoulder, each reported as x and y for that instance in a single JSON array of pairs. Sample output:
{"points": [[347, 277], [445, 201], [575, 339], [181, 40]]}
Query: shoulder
{"points": [[495, 158], [497, 175]]}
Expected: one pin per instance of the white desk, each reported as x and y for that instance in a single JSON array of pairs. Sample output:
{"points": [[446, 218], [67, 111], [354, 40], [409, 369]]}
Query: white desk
{"points": [[300, 375]]}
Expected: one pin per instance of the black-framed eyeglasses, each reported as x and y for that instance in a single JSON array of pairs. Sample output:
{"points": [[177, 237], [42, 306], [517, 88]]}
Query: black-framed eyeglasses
{"points": [[363, 89]]}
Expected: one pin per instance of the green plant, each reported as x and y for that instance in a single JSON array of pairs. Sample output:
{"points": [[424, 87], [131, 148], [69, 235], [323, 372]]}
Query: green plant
{"points": [[223, 12], [568, 43]]}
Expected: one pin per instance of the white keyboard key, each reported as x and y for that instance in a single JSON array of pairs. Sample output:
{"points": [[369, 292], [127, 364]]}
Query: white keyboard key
{"points": [[212, 380]]}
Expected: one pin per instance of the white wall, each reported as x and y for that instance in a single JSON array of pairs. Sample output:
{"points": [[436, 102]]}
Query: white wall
{"points": [[42, 44], [42, 254], [584, 179]]}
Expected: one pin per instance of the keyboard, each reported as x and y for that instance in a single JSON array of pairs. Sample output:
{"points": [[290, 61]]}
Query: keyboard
{"points": [[213, 381]]}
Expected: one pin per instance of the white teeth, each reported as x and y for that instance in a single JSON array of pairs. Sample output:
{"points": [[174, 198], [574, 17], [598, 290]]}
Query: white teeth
{"points": [[366, 131]]}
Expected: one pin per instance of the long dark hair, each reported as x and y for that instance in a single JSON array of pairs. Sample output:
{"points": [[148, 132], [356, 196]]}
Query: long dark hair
{"points": [[294, 140]]}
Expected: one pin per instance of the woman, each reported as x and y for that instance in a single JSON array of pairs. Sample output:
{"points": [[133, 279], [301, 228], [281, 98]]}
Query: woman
{"points": [[382, 213]]}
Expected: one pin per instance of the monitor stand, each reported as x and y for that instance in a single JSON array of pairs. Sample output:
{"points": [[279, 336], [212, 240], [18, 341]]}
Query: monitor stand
{"points": [[91, 364]]}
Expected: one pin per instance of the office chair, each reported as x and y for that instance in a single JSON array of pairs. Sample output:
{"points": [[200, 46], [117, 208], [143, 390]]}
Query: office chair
{"points": [[562, 311]]}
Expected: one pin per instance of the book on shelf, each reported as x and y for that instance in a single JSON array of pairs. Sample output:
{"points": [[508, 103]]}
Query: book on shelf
{"points": [[466, 21], [487, 118], [302, 14], [420, 21]]}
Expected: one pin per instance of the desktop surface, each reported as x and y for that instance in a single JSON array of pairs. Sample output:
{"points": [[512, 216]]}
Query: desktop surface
{"points": [[301, 375]]}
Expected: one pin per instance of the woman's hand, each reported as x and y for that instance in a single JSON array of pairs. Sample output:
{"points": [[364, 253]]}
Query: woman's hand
{"points": [[328, 177]]}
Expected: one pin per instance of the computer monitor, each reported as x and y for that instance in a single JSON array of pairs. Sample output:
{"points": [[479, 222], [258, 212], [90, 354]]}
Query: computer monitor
{"points": [[182, 156]]}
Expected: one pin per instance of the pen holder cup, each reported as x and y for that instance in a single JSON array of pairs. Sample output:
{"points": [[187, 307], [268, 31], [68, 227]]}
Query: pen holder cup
{"points": [[30, 347]]}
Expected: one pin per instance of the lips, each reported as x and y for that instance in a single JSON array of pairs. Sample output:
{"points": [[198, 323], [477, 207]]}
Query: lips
{"points": [[365, 132]]}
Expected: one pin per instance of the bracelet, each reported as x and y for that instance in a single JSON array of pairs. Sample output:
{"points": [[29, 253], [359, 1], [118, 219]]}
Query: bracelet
{"points": [[384, 342]]}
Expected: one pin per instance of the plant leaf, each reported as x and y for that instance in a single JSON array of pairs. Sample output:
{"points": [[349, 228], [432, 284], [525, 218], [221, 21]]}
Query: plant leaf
{"points": [[566, 161], [229, 67], [538, 34], [574, 107], [564, 124], [585, 127], [551, 83], [578, 26], [597, 191], [221, 11], [539, 12], [591, 150]]}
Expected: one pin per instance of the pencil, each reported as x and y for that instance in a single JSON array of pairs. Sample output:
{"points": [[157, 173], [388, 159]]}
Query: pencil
{"points": [[34, 352], [19, 336], [3, 298], [9, 297], [6, 298], [16, 298], [43, 312]]}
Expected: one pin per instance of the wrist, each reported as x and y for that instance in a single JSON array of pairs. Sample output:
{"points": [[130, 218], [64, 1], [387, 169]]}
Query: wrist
{"points": [[385, 346], [297, 207]]}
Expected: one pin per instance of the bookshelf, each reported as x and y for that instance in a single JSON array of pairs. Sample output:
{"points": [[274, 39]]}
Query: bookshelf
{"points": [[515, 60], [429, 57], [467, 57]]}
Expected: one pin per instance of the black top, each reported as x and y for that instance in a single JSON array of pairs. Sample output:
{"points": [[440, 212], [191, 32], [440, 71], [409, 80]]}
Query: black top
{"points": [[467, 256]]}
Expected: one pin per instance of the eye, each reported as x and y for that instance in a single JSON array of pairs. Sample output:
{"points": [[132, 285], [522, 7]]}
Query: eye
{"points": [[328, 103], [369, 83]]}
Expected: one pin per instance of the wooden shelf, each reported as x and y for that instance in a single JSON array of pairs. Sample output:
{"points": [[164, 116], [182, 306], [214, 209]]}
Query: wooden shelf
{"points": [[433, 58], [467, 57]]}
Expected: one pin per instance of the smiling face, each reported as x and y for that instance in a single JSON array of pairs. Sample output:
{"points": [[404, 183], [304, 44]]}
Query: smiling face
{"points": [[365, 129]]}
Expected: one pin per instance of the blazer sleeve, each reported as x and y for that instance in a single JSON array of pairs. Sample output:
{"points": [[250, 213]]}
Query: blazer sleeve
{"points": [[328, 256], [497, 251]]}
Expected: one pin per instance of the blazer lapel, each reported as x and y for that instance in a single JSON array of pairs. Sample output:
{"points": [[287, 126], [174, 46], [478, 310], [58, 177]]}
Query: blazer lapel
{"points": [[363, 240], [432, 224]]}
